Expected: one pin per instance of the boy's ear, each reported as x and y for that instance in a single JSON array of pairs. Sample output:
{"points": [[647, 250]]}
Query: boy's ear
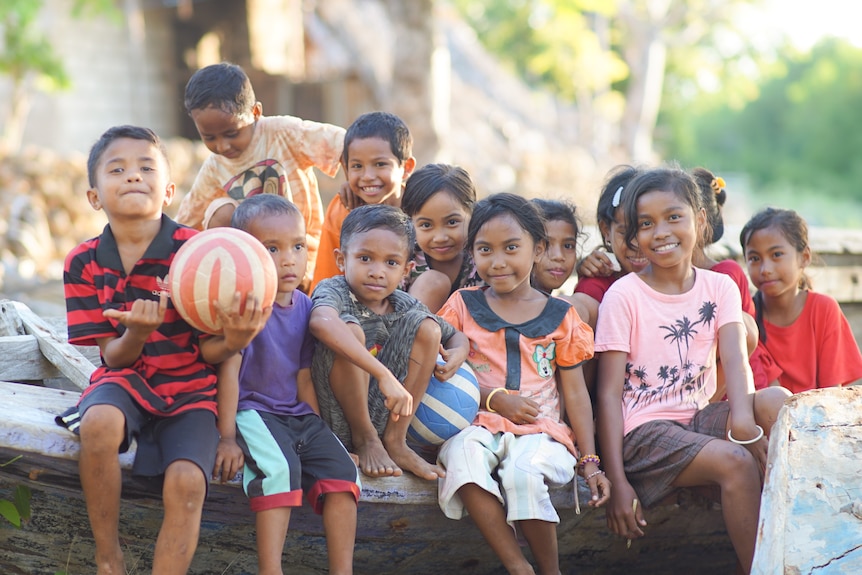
{"points": [[409, 166], [409, 268], [257, 110], [339, 259], [93, 198], [170, 191]]}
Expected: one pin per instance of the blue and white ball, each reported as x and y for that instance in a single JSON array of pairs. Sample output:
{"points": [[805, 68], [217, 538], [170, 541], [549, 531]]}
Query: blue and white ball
{"points": [[446, 408]]}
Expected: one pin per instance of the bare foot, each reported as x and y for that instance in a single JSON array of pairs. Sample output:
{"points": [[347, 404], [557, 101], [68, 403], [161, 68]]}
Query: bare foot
{"points": [[111, 563], [374, 461], [410, 461]]}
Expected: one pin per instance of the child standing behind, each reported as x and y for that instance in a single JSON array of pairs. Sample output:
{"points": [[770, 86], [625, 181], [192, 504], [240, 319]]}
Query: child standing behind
{"points": [[157, 383], [658, 333], [377, 160], [439, 199], [498, 469], [805, 332], [268, 413], [254, 154], [377, 345]]}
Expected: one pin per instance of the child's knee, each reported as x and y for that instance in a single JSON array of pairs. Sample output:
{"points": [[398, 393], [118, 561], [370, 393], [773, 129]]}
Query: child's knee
{"points": [[103, 425], [739, 465], [767, 403], [428, 334], [184, 481]]}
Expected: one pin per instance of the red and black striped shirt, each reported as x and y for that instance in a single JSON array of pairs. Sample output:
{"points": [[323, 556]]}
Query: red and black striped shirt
{"points": [[170, 376]]}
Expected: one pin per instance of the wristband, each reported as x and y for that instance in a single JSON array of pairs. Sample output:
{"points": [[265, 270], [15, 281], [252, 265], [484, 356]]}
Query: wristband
{"points": [[490, 395], [747, 441]]}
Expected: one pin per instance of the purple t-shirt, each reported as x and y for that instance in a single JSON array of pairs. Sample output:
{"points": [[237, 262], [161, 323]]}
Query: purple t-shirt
{"points": [[267, 376]]}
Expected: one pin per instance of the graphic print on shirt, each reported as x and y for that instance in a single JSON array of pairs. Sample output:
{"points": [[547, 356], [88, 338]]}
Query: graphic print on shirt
{"points": [[674, 383], [543, 356], [265, 177]]}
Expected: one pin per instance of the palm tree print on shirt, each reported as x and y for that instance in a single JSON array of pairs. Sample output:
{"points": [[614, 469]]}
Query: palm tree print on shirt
{"points": [[680, 381]]}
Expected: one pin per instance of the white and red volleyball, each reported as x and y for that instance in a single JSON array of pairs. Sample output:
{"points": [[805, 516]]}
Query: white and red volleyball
{"points": [[212, 266]]}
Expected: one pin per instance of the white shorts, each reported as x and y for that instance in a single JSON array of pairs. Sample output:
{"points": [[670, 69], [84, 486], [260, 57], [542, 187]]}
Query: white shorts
{"points": [[524, 464]]}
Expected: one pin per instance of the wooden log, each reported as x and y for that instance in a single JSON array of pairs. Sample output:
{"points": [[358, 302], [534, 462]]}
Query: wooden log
{"points": [[21, 359]]}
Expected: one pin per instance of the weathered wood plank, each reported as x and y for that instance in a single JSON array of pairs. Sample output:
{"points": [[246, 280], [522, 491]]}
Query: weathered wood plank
{"points": [[811, 510], [21, 359], [58, 351]]}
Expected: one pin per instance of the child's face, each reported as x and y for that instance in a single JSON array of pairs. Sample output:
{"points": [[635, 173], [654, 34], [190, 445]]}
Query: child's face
{"points": [[374, 173], [505, 254], [374, 264], [283, 235], [224, 133], [630, 260], [774, 265], [441, 227], [560, 257], [667, 229], [132, 181]]}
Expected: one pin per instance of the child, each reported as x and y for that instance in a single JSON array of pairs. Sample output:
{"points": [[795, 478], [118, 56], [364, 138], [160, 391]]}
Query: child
{"points": [[156, 383], [713, 195], [439, 199], [657, 335], [805, 332], [254, 154], [365, 327], [498, 470], [377, 160], [559, 259], [266, 399], [596, 273]]}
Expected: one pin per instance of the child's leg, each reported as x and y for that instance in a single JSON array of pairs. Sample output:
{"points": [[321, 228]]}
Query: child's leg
{"points": [[349, 385], [102, 431], [734, 470], [183, 495], [423, 359], [490, 518], [542, 537], [767, 403], [271, 525], [339, 524]]}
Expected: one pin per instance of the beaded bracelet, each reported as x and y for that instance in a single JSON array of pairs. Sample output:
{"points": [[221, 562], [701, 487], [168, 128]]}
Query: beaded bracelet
{"points": [[747, 441], [593, 474], [490, 395], [590, 458]]}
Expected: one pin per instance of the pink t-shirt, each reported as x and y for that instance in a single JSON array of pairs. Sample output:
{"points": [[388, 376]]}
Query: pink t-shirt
{"points": [[671, 343]]}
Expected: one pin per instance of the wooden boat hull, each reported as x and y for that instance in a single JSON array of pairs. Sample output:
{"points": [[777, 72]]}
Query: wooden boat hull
{"points": [[400, 528]]}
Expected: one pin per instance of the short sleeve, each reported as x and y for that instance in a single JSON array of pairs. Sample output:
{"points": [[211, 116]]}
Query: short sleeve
{"points": [[614, 325], [84, 316], [453, 311], [576, 344], [334, 293]]}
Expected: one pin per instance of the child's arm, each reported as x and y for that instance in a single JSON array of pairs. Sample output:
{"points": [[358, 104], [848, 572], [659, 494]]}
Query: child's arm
{"points": [[305, 389], [239, 329], [140, 321], [454, 352], [740, 389], [622, 518], [580, 411], [229, 457], [333, 332]]}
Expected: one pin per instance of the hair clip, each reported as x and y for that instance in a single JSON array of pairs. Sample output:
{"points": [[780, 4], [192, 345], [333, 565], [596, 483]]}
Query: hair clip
{"points": [[717, 184], [615, 201]]}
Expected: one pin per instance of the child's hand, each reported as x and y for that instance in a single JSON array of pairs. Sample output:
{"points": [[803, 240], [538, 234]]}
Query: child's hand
{"points": [[348, 199], [515, 408], [453, 359], [758, 448], [597, 264], [241, 328], [625, 518], [600, 485], [144, 317], [229, 459], [397, 399]]}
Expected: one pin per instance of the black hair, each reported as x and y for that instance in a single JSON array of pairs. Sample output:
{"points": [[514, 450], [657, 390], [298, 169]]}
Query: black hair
{"points": [[224, 86], [559, 211], [433, 178], [260, 206], [117, 133], [615, 183], [378, 217], [794, 228], [668, 179], [520, 209], [383, 125], [713, 196]]}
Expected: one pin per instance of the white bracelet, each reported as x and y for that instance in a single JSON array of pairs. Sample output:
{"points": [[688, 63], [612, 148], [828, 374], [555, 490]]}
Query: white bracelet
{"points": [[749, 441]]}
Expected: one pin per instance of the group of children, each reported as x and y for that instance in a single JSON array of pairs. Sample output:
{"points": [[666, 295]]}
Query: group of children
{"points": [[301, 393]]}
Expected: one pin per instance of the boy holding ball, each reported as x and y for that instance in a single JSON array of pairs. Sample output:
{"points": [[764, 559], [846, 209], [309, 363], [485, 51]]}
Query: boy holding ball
{"points": [[157, 383]]}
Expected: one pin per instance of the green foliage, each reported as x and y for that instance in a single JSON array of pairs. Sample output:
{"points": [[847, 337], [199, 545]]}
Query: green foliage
{"points": [[18, 509], [801, 134], [25, 50]]}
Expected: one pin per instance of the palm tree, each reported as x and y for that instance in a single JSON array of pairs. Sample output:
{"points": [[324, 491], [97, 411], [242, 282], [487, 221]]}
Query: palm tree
{"points": [[707, 312]]}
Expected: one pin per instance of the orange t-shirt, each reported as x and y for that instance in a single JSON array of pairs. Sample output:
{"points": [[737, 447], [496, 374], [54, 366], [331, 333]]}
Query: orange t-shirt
{"points": [[330, 240], [523, 357]]}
